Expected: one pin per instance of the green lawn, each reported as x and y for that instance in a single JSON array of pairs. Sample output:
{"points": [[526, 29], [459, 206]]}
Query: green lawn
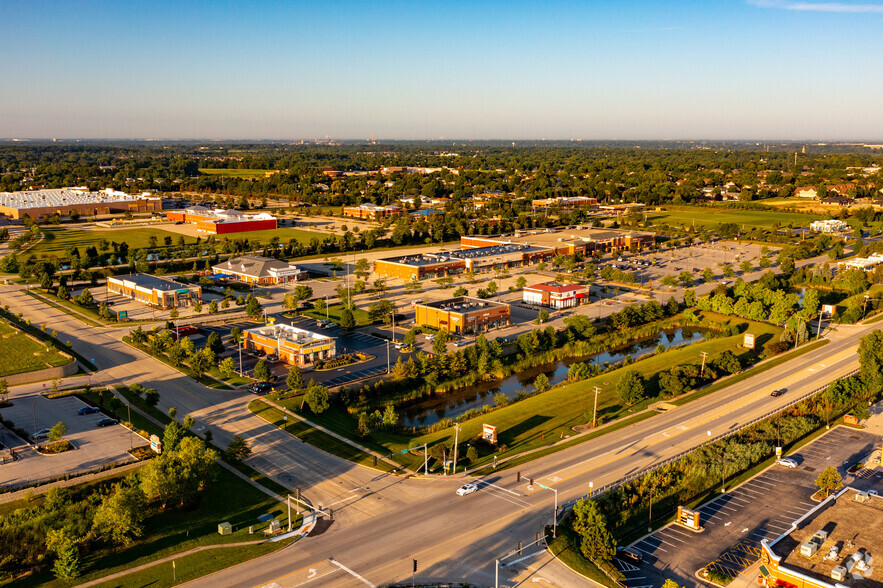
{"points": [[58, 239], [541, 420], [246, 174], [712, 217], [334, 312], [22, 354]]}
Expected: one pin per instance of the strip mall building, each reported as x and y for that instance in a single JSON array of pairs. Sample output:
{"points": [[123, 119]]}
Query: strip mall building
{"points": [[154, 291], [290, 344], [222, 222], [479, 254], [462, 315]]}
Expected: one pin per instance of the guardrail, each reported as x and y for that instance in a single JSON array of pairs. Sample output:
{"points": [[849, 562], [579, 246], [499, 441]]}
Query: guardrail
{"points": [[569, 504]]}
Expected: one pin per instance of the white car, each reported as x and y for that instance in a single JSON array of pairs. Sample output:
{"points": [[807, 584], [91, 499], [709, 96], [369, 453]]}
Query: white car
{"points": [[41, 434], [787, 462], [430, 337], [466, 489]]}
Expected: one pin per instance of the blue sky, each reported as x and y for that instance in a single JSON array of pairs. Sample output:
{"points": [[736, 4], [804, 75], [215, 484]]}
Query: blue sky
{"points": [[746, 69]]}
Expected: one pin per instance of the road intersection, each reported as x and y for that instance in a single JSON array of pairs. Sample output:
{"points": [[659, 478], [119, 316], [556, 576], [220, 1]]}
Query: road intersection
{"points": [[382, 522]]}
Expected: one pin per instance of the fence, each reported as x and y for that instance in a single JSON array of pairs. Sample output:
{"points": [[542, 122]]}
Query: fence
{"points": [[568, 505]]}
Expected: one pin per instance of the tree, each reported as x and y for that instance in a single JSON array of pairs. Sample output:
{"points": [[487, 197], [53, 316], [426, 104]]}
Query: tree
{"points": [[294, 380], [728, 362], [440, 343], [197, 307], [57, 432], [238, 449], [390, 418], [188, 422], [227, 367], [213, 307], [302, 292], [347, 320], [521, 282], [492, 287], [591, 525], [262, 371], [829, 480], [870, 357], [543, 316], [120, 515], [178, 476], [202, 361], [541, 383], [85, 298], [461, 291], [67, 564], [318, 399], [363, 429], [4, 390], [214, 343], [253, 308], [363, 268], [151, 397], [410, 337], [631, 387]]}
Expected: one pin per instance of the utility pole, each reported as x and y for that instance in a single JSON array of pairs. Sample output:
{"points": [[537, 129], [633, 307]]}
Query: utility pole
{"points": [[425, 459], [704, 354], [595, 412], [240, 357], [131, 426], [387, 358], [456, 441]]}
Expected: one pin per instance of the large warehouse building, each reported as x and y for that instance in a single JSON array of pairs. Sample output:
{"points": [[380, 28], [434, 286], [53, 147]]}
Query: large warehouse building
{"points": [[290, 344], [462, 315], [222, 222], [154, 291], [63, 201]]}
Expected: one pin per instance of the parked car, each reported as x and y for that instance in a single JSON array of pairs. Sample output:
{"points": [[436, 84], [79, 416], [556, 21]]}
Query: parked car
{"points": [[88, 410], [779, 392], [106, 422], [629, 555], [466, 489], [261, 387], [787, 462], [430, 337], [41, 434]]}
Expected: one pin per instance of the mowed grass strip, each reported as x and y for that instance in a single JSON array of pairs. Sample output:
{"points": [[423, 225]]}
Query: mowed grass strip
{"points": [[543, 419], [710, 217], [335, 311], [21, 353]]}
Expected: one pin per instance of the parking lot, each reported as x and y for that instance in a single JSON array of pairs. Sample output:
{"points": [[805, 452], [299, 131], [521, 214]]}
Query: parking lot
{"points": [[762, 508], [95, 446], [346, 342]]}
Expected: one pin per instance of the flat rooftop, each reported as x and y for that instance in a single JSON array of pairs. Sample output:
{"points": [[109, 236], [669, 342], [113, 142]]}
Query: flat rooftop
{"points": [[464, 304], [289, 333], [587, 235], [421, 259], [492, 250], [65, 197], [853, 527], [152, 282]]}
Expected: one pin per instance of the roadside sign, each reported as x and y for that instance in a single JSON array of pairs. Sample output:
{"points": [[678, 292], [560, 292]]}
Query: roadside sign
{"points": [[748, 341], [155, 444], [489, 434], [828, 309]]}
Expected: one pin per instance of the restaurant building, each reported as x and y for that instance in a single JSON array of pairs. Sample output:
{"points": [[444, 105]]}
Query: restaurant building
{"points": [[462, 314], [155, 291], [290, 344]]}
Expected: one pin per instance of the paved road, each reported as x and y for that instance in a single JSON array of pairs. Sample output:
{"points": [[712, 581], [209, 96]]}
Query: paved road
{"points": [[382, 522]]}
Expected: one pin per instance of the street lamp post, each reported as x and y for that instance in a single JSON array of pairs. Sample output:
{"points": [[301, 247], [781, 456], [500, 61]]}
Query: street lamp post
{"points": [[555, 512], [387, 358], [595, 412], [131, 442]]}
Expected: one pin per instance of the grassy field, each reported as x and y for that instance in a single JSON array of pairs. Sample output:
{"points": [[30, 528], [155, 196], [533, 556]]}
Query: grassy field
{"points": [[543, 419], [334, 312], [22, 354], [58, 239], [710, 218], [245, 174]]}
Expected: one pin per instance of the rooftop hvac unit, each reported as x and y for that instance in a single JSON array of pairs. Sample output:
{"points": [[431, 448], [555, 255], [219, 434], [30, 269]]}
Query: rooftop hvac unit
{"points": [[820, 536], [838, 573], [809, 548], [861, 497]]}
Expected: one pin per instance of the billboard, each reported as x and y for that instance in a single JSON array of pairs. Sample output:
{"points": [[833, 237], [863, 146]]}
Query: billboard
{"points": [[489, 434], [748, 341], [828, 309]]}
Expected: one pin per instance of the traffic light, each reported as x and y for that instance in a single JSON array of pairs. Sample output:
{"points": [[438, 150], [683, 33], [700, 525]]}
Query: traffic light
{"points": [[531, 481], [415, 566]]}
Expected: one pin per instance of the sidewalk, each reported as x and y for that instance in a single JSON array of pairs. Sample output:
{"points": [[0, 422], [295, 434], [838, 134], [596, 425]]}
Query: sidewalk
{"points": [[307, 525]]}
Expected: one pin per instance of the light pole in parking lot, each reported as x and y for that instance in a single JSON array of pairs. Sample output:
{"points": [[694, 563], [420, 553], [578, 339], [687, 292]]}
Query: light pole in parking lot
{"points": [[131, 442], [387, 358]]}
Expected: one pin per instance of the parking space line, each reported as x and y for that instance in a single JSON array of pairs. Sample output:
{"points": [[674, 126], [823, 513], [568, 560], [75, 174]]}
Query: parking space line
{"points": [[672, 538]]}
